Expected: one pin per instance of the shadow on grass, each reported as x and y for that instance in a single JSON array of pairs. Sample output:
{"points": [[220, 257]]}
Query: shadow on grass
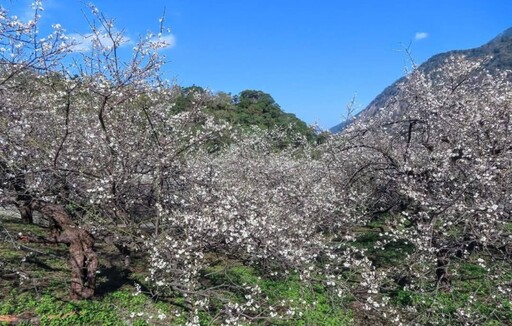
{"points": [[37, 262], [116, 277], [112, 279]]}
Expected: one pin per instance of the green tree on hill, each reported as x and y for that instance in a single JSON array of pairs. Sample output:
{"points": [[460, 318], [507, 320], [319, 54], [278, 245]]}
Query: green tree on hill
{"points": [[248, 109]]}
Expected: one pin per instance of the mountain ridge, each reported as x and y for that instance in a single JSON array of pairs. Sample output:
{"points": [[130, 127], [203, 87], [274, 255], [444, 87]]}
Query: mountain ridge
{"points": [[499, 49]]}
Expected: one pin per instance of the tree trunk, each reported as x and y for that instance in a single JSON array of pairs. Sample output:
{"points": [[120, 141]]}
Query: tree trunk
{"points": [[25, 212], [443, 276], [83, 258], [23, 198]]}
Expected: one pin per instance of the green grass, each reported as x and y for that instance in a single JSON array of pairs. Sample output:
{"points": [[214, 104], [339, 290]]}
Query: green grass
{"points": [[43, 290], [44, 293], [473, 291], [388, 255], [445, 307], [117, 308], [312, 305]]}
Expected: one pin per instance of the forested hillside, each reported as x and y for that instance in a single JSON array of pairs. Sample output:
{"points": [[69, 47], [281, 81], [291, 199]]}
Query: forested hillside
{"points": [[247, 110], [130, 201]]}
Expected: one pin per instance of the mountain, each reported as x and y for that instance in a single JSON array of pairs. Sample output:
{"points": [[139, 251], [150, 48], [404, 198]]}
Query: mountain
{"points": [[498, 50], [339, 127]]}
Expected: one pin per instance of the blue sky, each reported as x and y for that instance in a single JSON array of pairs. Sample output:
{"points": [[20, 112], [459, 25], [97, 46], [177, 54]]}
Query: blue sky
{"points": [[311, 56]]}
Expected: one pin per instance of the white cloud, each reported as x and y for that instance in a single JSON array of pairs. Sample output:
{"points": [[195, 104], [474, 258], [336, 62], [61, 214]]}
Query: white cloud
{"points": [[81, 43], [85, 42], [29, 9], [170, 40], [165, 42], [420, 36]]}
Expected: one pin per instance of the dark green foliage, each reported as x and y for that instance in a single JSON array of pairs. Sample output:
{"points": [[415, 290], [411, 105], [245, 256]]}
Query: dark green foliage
{"points": [[185, 99], [260, 109], [249, 109]]}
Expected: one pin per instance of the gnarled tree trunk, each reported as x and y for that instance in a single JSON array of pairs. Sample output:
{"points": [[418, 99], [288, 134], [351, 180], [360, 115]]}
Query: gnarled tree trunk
{"points": [[23, 198], [25, 211], [83, 258], [443, 276]]}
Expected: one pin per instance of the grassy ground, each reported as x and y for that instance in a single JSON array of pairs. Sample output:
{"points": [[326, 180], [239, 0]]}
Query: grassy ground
{"points": [[34, 289], [34, 286]]}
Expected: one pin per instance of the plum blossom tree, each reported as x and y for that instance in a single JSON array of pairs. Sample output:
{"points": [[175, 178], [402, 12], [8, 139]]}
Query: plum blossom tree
{"points": [[433, 166], [23, 52], [91, 145]]}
